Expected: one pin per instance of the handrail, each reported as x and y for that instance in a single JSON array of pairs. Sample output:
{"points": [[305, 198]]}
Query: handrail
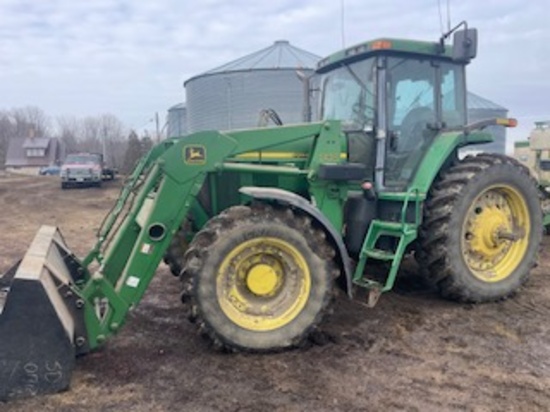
{"points": [[406, 205]]}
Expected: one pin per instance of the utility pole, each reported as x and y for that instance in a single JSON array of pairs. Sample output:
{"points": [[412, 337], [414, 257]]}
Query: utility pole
{"points": [[157, 126], [104, 144]]}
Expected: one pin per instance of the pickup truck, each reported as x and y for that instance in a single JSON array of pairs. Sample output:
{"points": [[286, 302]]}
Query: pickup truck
{"points": [[84, 169]]}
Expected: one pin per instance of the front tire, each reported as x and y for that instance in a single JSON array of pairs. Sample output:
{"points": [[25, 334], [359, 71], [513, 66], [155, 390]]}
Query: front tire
{"points": [[174, 256], [262, 278], [482, 229]]}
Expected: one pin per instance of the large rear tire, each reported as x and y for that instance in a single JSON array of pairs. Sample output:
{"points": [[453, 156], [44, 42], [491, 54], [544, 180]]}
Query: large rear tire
{"points": [[262, 278], [482, 229]]}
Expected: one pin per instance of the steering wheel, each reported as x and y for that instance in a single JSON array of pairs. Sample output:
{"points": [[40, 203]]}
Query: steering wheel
{"points": [[413, 126], [269, 114]]}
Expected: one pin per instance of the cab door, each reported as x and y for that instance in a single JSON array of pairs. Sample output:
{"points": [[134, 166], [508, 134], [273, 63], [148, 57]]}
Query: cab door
{"points": [[411, 91]]}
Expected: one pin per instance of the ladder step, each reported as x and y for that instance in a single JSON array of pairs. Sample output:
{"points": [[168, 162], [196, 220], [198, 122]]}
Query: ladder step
{"points": [[386, 224], [380, 254], [393, 228], [367, 283]]}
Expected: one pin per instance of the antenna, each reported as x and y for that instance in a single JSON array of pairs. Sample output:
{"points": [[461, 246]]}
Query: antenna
{"points": [[342, 24], [440, 17], [448, 15]]}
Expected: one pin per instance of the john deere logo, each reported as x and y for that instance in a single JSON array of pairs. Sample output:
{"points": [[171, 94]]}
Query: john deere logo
{"points": [[194, 155]]}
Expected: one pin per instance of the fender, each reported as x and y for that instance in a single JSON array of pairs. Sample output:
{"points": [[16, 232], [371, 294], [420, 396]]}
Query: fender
{"points": [[286, 197]]}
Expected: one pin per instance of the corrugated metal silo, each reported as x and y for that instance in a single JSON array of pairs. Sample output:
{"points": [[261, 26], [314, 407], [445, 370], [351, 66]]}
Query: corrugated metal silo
{"points": [[231, 96], [480, 108], [177, 120]]}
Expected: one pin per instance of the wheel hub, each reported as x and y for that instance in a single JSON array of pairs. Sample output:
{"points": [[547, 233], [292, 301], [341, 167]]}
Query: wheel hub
{"points": [[262, 280], [485, 232], [494, 240], [263, 284]]}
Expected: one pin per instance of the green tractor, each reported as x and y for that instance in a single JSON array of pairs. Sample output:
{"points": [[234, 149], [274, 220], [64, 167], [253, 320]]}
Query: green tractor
{"points": [[262, 225]]}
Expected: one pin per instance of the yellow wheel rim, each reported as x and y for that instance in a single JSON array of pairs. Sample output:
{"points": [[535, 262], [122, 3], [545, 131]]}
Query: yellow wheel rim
{"points": [[263, 284], [495, 234]]}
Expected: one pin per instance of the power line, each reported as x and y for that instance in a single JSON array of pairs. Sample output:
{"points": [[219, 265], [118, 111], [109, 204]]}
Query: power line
{"points": [[342, 24]]}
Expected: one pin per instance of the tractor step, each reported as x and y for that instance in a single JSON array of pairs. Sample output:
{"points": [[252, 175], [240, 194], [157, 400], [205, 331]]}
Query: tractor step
{"points": [[395, 229], [380, 254], [373, 288], [387, 226], [404, 233], [40, 319]]}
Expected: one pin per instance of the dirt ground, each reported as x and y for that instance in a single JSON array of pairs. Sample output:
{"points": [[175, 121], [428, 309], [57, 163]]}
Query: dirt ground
{"points": [[412, 352]]}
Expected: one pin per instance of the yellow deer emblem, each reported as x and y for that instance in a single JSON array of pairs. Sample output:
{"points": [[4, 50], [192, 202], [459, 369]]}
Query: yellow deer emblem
{"points": [[195, 154]]}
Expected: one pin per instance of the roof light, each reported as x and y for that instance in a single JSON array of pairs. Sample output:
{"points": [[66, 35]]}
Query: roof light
{"points": [[381, 44], [323, 62], [361, 48], [511, 122]]}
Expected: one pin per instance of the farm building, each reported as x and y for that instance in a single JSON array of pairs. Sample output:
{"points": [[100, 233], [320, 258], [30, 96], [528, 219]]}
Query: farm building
{"points": [[29, 154]]}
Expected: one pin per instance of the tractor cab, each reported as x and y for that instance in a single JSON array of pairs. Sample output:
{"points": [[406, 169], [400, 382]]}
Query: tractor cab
{"points": [[393, 98]]}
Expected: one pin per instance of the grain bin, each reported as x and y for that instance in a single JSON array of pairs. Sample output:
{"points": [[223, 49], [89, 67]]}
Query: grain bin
{"points": [[177, 120], [232, 95], [480, 108]]}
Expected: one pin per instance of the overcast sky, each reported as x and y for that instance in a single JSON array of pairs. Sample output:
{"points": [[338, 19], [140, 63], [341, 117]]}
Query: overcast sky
{"points": [[130, 58]]}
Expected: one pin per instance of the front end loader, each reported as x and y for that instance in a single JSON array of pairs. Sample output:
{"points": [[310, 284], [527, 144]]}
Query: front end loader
{"points": [[39, 343], [260, 225]]}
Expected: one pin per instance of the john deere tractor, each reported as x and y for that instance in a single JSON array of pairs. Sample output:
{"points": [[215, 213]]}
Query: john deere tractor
{"points": [[262, 225]]}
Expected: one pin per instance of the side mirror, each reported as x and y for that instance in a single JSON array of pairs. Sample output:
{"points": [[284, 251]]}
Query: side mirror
{"points": [[464, 45]]}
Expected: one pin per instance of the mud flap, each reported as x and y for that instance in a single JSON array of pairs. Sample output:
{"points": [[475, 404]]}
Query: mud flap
{"points": [[41, 319]]}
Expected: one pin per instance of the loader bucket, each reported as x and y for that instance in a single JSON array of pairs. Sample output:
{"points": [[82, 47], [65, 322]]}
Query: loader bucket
{"points": [[40, 319]]}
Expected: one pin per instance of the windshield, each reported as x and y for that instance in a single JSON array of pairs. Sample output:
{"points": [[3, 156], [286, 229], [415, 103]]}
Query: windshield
{"points": [[82, 159], [348, 95], [452, 95]]}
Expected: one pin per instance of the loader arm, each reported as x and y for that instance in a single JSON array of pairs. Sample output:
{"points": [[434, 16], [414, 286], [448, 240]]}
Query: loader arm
{"points": [[165, 185], [78, 304]]}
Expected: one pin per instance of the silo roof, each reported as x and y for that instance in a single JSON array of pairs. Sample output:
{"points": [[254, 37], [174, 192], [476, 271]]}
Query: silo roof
{"points": [[478, 102], [178, 106], [280, 55]]}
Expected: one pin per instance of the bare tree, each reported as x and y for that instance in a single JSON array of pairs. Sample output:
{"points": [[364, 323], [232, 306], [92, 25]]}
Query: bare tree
{"points": [[113, 142], [133, 152], [91, 132], [31, 121], [7, 131], [104, 134], [69, 132]]}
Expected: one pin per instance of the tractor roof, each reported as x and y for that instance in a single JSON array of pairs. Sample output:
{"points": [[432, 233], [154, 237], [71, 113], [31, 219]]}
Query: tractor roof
{"points": [[373, 47]]}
